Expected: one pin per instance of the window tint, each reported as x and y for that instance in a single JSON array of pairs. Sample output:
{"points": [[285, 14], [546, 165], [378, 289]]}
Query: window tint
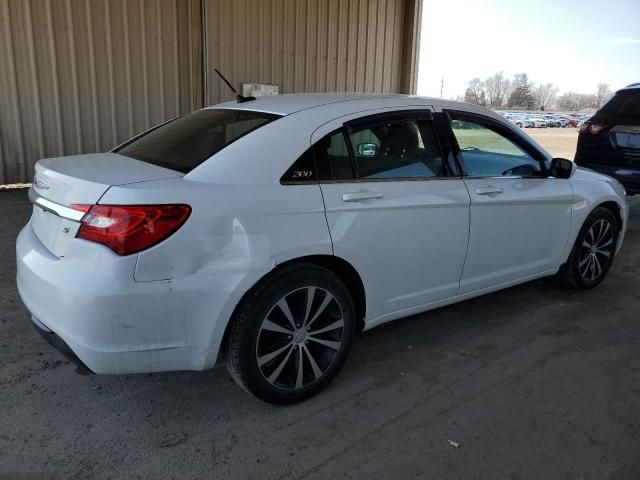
{"points": [[624, 106], [186, 142], [486, 152], [396, 149], [332, 157]]}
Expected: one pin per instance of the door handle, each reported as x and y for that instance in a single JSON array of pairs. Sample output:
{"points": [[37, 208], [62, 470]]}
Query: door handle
{"points": [[359, 196], [488, 190]]}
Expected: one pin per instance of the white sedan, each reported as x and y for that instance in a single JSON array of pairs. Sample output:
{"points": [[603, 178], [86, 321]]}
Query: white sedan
{"points": [[268, 232], [539, 122]]}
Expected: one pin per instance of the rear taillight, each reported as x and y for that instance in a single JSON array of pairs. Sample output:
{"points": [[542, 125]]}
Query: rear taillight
{"points": [[127, 229], [592, 128]]}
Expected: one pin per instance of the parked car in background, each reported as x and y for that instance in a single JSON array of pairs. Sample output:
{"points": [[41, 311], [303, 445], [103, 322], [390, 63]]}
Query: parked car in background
{"points": [[518, 122], [609, 142], [267, 232], [538, 122], [568, 121], [552, 120], [524, 120]]}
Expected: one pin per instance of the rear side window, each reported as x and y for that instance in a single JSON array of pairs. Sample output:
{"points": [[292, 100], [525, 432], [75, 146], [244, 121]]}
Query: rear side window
{"points": [[380, 148], [333, 157], [624, 106], [186, 142], [397, 149]]}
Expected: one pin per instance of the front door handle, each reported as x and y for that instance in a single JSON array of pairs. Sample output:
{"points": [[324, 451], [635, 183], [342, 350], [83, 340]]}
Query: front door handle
{"points": [[359, 196], [488, 190]]}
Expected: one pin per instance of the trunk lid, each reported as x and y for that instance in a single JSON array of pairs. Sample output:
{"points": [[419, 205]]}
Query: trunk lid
{"points": [[80, 179]]}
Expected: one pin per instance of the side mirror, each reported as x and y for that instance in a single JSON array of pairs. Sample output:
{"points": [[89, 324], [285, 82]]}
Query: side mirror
{"points": [[562, 168], [367, 149]]}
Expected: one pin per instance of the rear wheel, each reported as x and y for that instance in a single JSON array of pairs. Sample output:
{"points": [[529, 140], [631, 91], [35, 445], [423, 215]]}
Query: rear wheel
{"points": [[291, 334], [593, 251]]}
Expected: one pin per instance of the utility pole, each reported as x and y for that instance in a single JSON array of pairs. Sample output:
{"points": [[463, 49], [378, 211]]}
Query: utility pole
{"points": [[441, 86]]}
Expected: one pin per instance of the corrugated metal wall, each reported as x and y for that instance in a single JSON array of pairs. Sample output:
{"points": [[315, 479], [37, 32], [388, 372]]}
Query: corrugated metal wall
{"points": [[312, 45], [81, 76]]}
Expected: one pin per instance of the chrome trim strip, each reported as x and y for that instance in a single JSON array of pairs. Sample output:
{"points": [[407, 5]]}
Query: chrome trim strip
{"points": [[55, 208], [505, 177], [409, 179], [366, 180]]}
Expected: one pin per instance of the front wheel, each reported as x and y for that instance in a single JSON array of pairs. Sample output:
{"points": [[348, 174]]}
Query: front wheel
{"points": [[291, 334], [593, 251]]}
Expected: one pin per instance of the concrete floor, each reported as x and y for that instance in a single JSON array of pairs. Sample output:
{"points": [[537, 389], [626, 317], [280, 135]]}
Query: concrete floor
{"points": [[534, 382]]}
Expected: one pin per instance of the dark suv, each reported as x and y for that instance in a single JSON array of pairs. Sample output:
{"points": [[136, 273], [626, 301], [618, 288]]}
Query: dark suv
{"points": [[609, 142]]}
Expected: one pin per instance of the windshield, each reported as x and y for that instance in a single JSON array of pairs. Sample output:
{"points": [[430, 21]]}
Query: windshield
{"points": [[184, 143]]}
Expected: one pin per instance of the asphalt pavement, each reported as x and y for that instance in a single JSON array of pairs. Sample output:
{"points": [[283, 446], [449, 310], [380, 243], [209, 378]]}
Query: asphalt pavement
{"points": [[534, 382]]}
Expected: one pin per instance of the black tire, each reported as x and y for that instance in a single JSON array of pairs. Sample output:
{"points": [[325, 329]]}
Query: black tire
{"points": [[251, 330], [575, 273]]}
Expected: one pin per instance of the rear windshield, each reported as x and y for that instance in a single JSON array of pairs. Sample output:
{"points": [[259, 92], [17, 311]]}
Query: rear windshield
{"points": [[186, 142], [624, 106]]}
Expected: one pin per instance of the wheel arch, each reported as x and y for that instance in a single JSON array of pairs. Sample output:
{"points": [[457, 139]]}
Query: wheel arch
{"points": [[614, 208], [345, 272], [338, 266], [610, 204]]}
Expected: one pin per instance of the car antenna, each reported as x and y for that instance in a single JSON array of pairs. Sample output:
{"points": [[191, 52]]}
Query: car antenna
{"points": [[239, 98]]}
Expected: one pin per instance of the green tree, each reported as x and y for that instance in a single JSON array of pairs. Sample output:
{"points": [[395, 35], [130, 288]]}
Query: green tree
{"points": [[522, 96]]}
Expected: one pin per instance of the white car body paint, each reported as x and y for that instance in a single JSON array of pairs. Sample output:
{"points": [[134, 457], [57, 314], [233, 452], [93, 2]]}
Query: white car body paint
{"points": [[506, 241], [167, 307]]}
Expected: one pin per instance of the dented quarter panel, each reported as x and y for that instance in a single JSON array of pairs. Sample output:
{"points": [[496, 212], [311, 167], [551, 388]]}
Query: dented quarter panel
{"points": [[234, 236]]}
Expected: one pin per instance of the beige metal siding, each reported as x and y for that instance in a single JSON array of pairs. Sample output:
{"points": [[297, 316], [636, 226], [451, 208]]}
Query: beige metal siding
{"points": [[81, 76], [312, 45]]}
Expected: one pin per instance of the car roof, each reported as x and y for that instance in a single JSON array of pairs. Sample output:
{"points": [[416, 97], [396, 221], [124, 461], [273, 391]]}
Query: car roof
{"points": [[633, 86], [295, 102], [292, 103]]}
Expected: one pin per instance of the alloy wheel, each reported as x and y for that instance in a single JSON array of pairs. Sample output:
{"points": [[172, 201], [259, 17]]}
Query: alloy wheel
{"points": [[300, 337], [596, 250]]}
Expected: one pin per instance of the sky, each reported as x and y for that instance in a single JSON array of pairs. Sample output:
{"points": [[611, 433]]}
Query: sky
{"points": [[574, 44]]}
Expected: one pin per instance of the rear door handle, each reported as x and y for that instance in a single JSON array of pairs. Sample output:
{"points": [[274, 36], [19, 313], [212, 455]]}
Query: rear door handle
{"points": [[359, 196], [488, 190]]}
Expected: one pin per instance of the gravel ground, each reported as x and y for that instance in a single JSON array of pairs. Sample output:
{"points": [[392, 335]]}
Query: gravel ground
{"points": [[534, 382]]}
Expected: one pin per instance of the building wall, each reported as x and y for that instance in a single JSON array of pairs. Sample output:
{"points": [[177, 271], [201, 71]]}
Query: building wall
{"points": [[80, 76], [312, 45]]}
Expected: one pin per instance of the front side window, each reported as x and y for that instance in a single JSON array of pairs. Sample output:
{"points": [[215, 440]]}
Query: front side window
{"points": [[396, 149], [186, 142], [487, 153]]}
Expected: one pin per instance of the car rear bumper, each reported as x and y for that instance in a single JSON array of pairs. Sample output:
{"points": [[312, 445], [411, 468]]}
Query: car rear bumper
{"points": [[91, 305], [59, 344]]}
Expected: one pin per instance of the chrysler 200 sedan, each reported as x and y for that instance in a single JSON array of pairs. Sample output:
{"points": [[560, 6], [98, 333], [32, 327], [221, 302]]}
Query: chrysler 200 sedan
{"points": [[268, 232]]}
